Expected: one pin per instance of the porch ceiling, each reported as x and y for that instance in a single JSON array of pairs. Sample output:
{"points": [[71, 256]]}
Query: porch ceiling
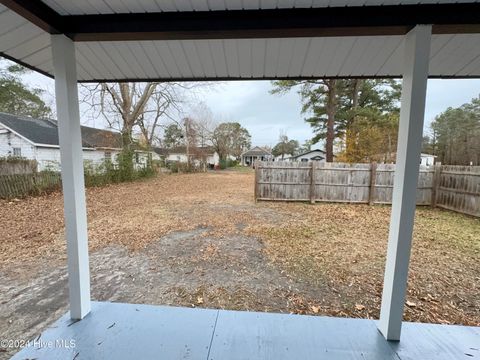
{"points": [[217, 40]]}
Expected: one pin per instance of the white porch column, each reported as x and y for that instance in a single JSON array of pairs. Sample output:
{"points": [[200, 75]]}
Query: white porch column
{"points": [[70, 138], [414, 87]]}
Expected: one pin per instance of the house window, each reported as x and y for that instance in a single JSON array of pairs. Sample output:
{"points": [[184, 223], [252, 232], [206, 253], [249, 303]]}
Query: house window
{"points": [[304, 160], [17, 152], [108, 156], [137, 157]]}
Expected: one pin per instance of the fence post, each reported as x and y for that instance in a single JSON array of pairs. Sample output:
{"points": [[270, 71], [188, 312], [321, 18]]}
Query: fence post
{"points": [[373, 178], [437, 171], [312, 183], [257, 178]]}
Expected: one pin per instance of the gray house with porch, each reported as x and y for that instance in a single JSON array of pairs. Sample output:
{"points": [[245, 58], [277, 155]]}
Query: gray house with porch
{"points": [[249, 157]]}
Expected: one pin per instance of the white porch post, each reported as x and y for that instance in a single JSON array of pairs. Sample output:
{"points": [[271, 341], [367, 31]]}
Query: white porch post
{"points": [[70, 138], [414, 87]]}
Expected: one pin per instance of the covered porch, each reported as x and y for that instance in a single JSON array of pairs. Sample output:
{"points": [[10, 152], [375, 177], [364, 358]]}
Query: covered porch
{"points": [[197, 41], [126, 331]]}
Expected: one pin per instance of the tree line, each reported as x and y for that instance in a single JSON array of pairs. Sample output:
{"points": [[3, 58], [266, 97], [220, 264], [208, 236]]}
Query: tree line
{"points": [[455, 135], [356, 118]]}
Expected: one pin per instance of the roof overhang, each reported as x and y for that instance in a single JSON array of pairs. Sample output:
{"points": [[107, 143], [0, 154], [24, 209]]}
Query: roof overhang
{"points": [[180, 40], [449, 18]]}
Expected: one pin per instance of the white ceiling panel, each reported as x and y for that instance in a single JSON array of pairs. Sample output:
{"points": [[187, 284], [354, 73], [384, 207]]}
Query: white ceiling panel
{"points": [[272, 49], [273, 58], [69, 7], [30, 46], [217, 49]]}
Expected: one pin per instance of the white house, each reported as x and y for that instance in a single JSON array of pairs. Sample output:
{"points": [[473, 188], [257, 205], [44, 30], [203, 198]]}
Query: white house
{"points": [[283, 157], [256, 153], [312, 155], [427, 159], [198, 155], [37, 139], [389, 158]]}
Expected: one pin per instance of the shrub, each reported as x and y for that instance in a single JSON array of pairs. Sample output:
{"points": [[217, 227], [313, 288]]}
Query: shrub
{"points": [[108, 172], [227, 163], [182, 167]]}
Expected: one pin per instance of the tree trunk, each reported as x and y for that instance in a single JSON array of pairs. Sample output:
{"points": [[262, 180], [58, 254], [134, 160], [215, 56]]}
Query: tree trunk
{"points": [[331, 109], [350, 137], [126, 139]]}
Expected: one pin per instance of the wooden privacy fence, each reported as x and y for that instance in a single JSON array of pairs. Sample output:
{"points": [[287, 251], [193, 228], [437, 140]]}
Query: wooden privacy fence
{"points": [[452, 187], [20, 185]]}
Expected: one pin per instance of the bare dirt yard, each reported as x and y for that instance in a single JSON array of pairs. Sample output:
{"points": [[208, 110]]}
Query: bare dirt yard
{"points": [[200, 240]]}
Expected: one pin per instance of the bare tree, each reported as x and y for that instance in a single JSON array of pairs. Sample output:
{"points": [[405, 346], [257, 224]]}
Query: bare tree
{"points": [[136, 107], [204, 123]]}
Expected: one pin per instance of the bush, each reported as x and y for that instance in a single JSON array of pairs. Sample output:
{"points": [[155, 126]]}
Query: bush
{"points": [[227, 163], [108, 172], [182, 167]]}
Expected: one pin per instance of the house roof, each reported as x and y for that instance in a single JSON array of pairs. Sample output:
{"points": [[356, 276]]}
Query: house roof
{"points": [[160, 151], [38, 131], [309, 152], [45, 132], [101, 138], [237, 39], [256, 151]]}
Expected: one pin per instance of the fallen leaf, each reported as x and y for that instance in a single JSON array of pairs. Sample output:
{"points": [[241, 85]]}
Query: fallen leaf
{"points": [[410, 304], [359, 307]]}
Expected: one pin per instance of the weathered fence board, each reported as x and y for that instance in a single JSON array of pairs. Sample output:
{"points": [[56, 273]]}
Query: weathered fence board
{"points": [[452, 187], [20, 185], [459, 189]]}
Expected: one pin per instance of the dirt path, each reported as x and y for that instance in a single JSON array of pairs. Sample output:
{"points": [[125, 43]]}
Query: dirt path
{"points": [[200, 240]]}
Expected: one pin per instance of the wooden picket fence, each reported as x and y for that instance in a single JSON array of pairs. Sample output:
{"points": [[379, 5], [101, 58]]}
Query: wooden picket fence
{"points": [[455, 188], [21, 185]]}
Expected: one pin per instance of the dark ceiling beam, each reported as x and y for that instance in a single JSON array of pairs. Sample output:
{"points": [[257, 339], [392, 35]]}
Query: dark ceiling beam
{"points": [[38, 13], [331, 21]]}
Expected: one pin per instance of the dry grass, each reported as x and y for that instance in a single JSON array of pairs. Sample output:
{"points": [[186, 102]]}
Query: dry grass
{"points": [[345, 246], [335, 250]]}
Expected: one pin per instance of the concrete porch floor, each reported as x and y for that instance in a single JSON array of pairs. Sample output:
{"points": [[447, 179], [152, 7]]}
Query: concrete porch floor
{"points": [[129, 331]]}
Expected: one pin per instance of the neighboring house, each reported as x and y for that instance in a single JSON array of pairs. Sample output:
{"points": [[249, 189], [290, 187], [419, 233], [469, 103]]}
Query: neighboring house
{"points": [[257, 153], [389, 158], [427, 159], [312, 155], [37, 139], [284, 157], [198, 155]]}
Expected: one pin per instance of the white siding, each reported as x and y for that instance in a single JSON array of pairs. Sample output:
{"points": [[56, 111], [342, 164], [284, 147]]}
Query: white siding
{"points": [[48, 158], [427, 160], [176, 157], [212, 159], [8, 141]]}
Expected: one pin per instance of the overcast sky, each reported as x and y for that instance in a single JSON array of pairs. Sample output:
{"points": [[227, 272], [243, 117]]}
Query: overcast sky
{"points": [[266, 116]]}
